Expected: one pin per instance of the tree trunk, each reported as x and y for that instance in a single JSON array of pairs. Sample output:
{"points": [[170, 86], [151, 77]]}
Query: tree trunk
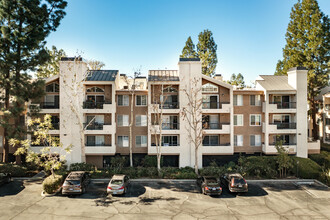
{"points": [[196, 160], [130, 133]]}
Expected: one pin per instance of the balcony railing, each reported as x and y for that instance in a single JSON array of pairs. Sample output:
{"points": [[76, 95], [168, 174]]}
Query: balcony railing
{"points": [[285, 125], [97, 145], [285, 105], [214, 126], [49, 105], [215, 144], [170, 126], [168, 105], [95, 126], [167, 144], [284, 144], [95, 105], [213, 105]]}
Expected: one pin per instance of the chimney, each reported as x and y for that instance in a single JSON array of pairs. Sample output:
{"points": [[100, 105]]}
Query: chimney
{"points": [[218, 77]]}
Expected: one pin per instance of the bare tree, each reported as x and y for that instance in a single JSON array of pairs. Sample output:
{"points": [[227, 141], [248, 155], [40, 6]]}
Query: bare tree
{"points": [[157, 106], [192, 113], [95, 64], [131, 84]]}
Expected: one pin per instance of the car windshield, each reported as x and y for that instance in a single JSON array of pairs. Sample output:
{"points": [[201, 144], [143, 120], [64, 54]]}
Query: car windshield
{"points": [[116, 182], [72, 182], [211, 181], [239, 181]]}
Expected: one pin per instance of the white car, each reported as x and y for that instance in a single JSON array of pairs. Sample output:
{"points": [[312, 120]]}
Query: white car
{"points": [[118, 185]]}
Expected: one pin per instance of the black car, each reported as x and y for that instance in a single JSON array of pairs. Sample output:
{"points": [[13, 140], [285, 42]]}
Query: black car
{"points": [[4, 178], [235, 182], [75, 183], [209, 185]]}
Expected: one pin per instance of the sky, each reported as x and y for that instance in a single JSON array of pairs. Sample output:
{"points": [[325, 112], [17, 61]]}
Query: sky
{"points": [[131, 35]]}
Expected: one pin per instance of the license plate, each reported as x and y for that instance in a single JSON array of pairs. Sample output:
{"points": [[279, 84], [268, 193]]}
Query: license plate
{"points": [[240, 186], [114, 192], [214, 188], [71, 189]]}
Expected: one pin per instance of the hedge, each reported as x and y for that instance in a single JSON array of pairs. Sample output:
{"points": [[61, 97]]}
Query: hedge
{"points": [[82, 167], [14, 170], [307, 168], [51, 183]]}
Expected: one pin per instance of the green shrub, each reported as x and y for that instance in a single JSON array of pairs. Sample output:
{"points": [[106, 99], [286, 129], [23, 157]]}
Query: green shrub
{"points": [[151, 161], [258, 166], [117, 163], [13, 169], [307, 168], [51, 183], [322, 159], [82, 167]]}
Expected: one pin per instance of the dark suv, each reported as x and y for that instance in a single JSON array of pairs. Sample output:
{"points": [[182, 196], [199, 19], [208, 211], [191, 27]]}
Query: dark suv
{"points": [[209, 185], [75, 183], [235, 182]]}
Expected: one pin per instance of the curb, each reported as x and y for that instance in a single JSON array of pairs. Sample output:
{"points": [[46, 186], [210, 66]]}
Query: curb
{"points": [[152, 180]]}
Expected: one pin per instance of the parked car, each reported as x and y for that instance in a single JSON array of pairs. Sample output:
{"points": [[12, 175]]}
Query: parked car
{"points": [[75, 183], [4, 178], [118, 184], [209, 185], [235, 182]]}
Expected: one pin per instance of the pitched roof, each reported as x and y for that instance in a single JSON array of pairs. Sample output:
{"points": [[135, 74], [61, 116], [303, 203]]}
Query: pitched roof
{"points": [[163, 75], [275, 83], [101, 75]]}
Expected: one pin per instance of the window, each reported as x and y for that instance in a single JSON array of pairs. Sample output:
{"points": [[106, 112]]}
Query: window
{"points": [[238, 140], [170, 122], [95, 89], [238, 100], [211, 140], [141, 141], [141, 120], [122, 141], [170, 141], [141, 100], [255, 100], [255, 140], [170, 89], [238, 120], [255, 120], [53, 87], [284, 138], [208, 87], [123, 100], [122, 120], [210, 102]]}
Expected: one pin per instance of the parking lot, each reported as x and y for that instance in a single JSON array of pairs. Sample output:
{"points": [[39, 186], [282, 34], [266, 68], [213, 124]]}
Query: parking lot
{"points": [[167, 200]]}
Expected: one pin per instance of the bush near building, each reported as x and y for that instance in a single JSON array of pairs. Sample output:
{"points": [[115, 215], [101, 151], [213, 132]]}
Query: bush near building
{"points": [[17, 170], [52, 183]]}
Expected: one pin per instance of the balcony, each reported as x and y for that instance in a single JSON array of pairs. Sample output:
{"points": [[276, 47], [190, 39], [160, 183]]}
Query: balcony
{"points": [[291, 125], [215, 144], [95, 126], [216, 128], [97, 145], [168, 105], [284, 105], [95, 105], [271, 149], [49, 105], [170, 126], [213, 105]]}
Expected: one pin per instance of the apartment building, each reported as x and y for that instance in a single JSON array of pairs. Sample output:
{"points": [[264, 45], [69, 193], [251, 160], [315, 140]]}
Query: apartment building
{"points": [[93, 111]]}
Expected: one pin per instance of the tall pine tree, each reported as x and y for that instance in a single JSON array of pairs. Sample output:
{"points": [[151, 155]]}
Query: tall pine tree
{"points": [[52, 66], [24, 25], [188, 50], [308, 45], [207, 52]]}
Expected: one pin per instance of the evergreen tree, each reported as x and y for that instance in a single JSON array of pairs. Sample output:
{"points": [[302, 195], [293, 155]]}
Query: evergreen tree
{"points": [[308, 45], [24, 25], [237, 80], [189, 49], [52, 66], [207, 52]]}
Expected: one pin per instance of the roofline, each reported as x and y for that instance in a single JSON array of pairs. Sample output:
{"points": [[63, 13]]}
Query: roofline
{"points": [[52, 78], [217, 82]]}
